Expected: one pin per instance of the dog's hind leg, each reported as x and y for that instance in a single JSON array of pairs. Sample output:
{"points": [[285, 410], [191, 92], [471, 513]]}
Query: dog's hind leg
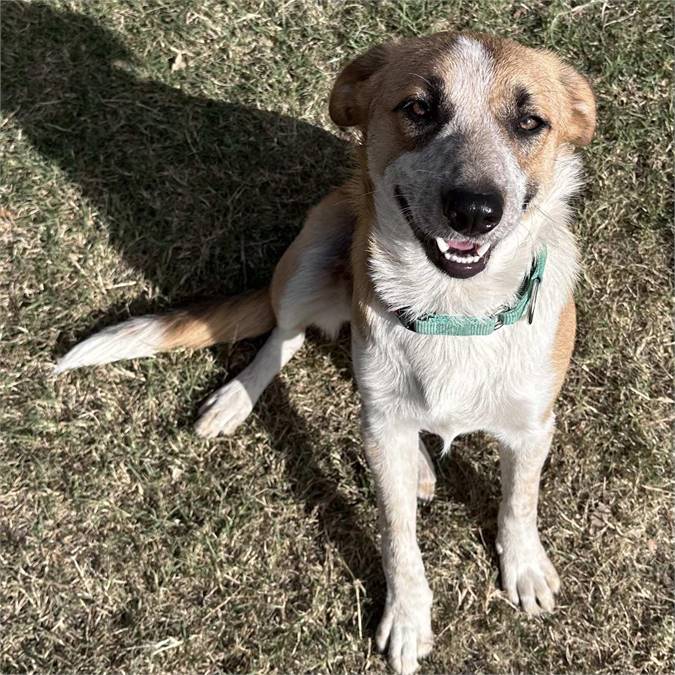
{"points": [[311, 286]]}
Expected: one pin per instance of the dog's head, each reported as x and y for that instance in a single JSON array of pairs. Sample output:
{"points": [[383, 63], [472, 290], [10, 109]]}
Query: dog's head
{"points": [[462, 134]]}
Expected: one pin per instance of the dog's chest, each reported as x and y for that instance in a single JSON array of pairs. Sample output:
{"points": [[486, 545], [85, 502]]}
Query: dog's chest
{"points": [[454, 385]]}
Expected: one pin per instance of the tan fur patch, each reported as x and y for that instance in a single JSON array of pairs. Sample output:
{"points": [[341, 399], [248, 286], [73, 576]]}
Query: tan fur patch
{"points": [[555, 92], [361, 190], [563, 346], [236, 318]]}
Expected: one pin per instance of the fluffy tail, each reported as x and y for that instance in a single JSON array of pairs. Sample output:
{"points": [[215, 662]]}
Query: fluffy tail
{"points": [[233, 319]]}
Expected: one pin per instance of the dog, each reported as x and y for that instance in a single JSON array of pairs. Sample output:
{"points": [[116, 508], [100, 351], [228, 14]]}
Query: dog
{"points": [[449, 252]]}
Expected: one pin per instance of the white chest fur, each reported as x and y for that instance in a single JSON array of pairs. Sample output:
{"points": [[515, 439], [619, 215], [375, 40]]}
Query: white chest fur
{"points": [[454, 385]]}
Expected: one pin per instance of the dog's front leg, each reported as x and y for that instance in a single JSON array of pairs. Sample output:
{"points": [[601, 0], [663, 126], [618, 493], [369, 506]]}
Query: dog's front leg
{"points": [[528, 576], [392, 450]]}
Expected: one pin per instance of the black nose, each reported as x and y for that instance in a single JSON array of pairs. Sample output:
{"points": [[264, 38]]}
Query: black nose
{"points": [[472, 212]]}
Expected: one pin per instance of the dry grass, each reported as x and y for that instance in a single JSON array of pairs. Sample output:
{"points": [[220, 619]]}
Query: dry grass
{"points": [[128, 543]]}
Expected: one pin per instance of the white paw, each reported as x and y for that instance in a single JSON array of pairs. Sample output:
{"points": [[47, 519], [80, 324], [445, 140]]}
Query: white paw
{"points": [[407, 631], [426, 476], [528, 576], [224, 410]]}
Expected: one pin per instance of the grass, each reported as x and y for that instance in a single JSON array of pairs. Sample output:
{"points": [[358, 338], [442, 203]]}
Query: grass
{"points": [[128, 185]]}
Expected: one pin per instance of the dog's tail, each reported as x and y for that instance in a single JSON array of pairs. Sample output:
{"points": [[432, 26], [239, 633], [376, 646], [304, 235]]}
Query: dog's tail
{"points": [[230, 320]]}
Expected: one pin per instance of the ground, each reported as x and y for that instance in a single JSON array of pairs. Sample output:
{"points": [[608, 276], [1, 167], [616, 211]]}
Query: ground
{"points": [[155, 152]]}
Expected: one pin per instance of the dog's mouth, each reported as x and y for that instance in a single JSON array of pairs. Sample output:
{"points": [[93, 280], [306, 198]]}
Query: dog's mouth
{"points": [[457, 258]]}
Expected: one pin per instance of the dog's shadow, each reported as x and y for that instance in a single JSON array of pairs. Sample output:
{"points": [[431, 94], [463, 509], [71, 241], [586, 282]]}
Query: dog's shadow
{"points": [[199, 195]]}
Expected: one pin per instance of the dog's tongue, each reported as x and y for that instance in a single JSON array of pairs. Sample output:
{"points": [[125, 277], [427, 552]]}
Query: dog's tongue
{"points": [[460, 245]]}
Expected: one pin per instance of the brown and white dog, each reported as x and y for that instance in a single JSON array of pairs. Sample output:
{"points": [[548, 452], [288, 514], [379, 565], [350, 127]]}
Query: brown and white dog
{"points": [[466, 168]]}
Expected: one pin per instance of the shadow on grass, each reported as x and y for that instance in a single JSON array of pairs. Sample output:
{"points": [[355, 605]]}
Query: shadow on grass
{"points": [[201, 196], [197, 194], [459, 482], [339, 520]]}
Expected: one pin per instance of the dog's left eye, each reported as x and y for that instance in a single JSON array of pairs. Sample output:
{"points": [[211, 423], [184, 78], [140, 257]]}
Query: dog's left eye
{"points": [[416, 108], [531, 123]]}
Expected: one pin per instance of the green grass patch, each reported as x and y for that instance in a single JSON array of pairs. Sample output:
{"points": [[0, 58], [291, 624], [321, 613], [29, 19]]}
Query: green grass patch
{"points": [[129, 184]]}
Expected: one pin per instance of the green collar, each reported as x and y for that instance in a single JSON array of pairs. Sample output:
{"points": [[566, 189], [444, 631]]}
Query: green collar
{"points": [[444, 324]]}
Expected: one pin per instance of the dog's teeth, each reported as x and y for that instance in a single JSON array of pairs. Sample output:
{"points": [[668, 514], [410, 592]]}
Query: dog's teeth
{"points": [[482, 249], [462, 258], [442, 244]]}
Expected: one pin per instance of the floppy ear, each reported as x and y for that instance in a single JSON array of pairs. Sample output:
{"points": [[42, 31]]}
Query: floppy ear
{"points": [[580, 124], [350, 97]]}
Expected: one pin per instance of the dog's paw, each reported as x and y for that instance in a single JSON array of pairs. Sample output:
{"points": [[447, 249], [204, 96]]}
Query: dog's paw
{"points": [[224, 410], [426, 476], [528, 576], [407, 634]]}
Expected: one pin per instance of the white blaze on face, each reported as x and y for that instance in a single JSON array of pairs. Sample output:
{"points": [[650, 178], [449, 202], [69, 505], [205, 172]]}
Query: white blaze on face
{"points": [[488, 156], [471, 74]]}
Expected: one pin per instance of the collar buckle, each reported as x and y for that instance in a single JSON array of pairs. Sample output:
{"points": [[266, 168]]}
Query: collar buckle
{"points": [[533, 299]]}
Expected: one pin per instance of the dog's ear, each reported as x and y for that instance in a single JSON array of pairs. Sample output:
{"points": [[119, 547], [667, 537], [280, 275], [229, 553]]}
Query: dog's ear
{"points": [[351, 93], [580, 124]]}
